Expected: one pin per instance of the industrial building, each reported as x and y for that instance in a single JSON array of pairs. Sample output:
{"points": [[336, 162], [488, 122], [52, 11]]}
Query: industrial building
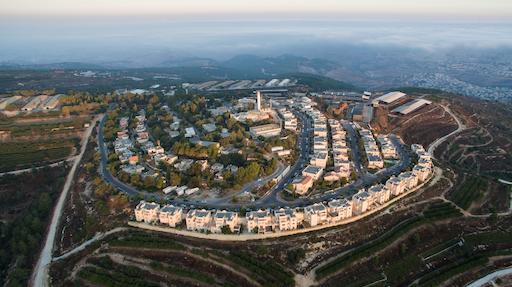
{"points": [[389, 97], [269, 130], [411, 106]]}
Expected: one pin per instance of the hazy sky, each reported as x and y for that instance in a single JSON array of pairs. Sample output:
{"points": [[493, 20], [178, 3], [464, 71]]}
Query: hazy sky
{"points": [[454, 9], [146, 32]]}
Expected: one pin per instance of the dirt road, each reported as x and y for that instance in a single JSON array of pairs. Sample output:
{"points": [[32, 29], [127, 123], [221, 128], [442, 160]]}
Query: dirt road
{"points": [[40, 273]]}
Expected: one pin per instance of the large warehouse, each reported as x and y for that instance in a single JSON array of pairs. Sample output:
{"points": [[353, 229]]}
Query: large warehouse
{"points": [[411, 106], [389, 97]]}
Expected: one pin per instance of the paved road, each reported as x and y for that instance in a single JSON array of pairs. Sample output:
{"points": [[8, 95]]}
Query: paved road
{"points": [[491, 277], [40, 274], [19, 171], [272, 199], [440, 140]]}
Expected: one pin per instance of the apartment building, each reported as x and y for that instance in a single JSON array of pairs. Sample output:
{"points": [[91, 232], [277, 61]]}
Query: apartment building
{"points": [[339, 209], [147, 212], [286, 219], [421, 172], [361, 202], [259, 221], [396, 185], [410, 179], [379, 193], [198, 220], [315, 214], [319, 159], [225, 218], [170, 215], [313, 171]]}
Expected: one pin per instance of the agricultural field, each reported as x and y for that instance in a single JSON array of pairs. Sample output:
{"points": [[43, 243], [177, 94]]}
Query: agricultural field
{"points": [[15, 155]]}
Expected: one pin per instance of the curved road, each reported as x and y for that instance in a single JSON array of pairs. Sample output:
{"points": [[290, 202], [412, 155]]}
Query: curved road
{"points": [[491, 277], [432, 147], [272, 198]]}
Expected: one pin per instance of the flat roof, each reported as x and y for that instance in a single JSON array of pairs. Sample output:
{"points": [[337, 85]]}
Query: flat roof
{"points": [[390, 97], [411, 106]]}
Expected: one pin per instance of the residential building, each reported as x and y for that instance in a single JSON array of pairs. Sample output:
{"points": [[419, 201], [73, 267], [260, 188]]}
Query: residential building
{"points": [[170, 215], [396, 185], [302, 184], [199, 220], [225, 218], [315, 214], [313, 171], [147, 212], [339, 209], [259, 221], [286, 219], [361, 202], [379, 193]]}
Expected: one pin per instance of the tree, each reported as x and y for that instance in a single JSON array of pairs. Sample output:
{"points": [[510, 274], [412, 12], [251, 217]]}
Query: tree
{"points": [[226, 230], [135, 179], [174, 179], [149, 182]]}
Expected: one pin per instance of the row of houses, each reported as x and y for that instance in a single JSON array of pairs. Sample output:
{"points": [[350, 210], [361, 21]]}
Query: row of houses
{"points": [[288, 119], [286, 219], [387, 147], [340, 152], [371, 148], [302, 183]]}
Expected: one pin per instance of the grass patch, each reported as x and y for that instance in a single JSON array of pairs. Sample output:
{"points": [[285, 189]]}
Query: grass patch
{"points": [[470, 191], [145, 241], [268, 272]]}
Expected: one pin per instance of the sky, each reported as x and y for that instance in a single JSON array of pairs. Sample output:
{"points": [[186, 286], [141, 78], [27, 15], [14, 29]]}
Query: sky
{"points": [[148, 32], [493, 10]]}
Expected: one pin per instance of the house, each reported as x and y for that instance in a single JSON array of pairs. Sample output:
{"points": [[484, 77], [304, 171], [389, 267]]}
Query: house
{"points": [[342, 172], [132, 169], [379, 193], [315, 214], [198, 220], [225, 218], [209, 127], [313, 171], [286, 219], [396, 185], [190, 132], [259, 221], [133, 160], [361, 201], [339, 209], [217, 167], [170, 215], [203, 164], [331, 176], [169, 189], [301, 184], [147, 212]]}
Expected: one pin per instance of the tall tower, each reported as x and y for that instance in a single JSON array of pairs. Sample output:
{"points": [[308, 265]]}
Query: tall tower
{"points": [[258, 101]]}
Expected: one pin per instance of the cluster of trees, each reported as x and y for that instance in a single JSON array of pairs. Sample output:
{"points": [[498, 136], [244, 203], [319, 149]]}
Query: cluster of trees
{"points": [[20, 238], [194, 151]]}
